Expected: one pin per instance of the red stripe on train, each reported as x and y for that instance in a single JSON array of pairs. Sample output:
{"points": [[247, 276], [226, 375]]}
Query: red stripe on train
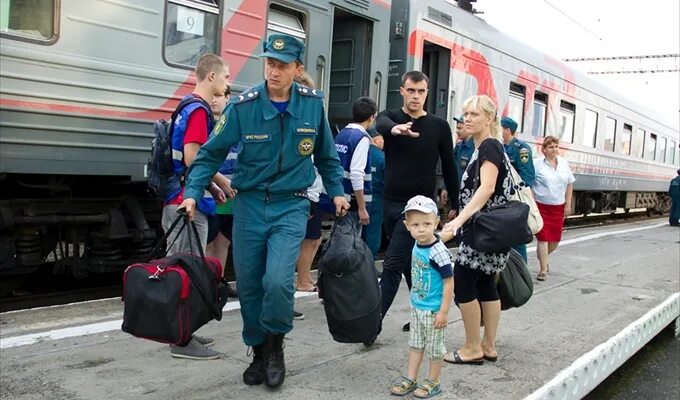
{"points": [[249, 17]]}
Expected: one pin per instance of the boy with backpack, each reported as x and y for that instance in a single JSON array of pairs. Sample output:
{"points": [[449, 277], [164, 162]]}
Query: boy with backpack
{"points": [[431, 295], [190, 126]]}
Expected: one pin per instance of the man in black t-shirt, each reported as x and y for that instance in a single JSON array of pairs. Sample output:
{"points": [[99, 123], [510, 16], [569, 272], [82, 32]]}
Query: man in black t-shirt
{"points": [[414, 142]]}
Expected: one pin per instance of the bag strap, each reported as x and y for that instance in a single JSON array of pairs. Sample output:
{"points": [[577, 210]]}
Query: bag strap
{"points": [[193, 236], [509, 168], [204, 268]]}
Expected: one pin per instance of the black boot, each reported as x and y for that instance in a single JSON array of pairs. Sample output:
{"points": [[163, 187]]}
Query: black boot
{"points": [[254, 374], [274, 367]]}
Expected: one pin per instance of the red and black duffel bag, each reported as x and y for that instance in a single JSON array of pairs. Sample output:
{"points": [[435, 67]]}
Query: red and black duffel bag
{"points": [[168, 299]]}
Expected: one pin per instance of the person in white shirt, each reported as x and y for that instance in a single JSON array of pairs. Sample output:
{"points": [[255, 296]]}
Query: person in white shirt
{"points": [[553, 191]]}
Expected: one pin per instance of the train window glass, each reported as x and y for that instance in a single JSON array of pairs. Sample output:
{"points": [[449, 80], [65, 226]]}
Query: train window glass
{"points": [[516, 105], [624, 139], [540, 107], [637, 147], [590, 128], [566, 129], [670, 152], [287, 21], [191, 30], [29, 19], [661, 150], [609, 135], [650, 147]]}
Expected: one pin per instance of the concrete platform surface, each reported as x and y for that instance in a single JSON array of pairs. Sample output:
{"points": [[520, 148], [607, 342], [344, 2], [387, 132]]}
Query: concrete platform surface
{"points": [[601, 280]]}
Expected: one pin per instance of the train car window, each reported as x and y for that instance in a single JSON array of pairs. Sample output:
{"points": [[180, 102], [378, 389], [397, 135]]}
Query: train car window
{"points": [[624, 139], [637, 147], [566, 124], [661, 149], [670, 152], [287, 21], [35, 20], [609, 135], [540, 114], [590, 129], [516, 104], [650, 147], [191, 30]]}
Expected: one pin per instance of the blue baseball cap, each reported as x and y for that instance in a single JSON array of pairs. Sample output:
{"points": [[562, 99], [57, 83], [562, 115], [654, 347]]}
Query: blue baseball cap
{"points": [[284, 48], [458, 119], [507, 122]]}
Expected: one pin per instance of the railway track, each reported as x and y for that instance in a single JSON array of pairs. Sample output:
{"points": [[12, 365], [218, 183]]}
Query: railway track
{"points": [[46, 295]]}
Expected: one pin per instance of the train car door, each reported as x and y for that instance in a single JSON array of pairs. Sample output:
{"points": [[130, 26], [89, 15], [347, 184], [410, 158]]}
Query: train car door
{"points": [[437, 66], [351, 51]]}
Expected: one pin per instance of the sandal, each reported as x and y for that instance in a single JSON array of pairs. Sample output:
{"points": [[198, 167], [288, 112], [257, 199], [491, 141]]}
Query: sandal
{"points": [[404, 387], [541, 276], [427, 389]]}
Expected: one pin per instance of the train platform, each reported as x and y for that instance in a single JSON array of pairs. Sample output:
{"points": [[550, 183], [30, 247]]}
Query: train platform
{"points": [[601, 280]]}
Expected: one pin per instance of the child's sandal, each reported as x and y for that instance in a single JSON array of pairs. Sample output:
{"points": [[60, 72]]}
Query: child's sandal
{"points": [[403, 387], [427, 389]]}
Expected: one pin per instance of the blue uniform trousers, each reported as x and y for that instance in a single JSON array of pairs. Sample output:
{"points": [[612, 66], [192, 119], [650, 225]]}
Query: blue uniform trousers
{"points": [[674, 216], [267, 235], [522, 250], [373, 231]]}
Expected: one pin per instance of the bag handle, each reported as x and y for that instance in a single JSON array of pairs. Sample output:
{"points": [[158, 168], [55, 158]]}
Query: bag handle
{"points": [[193, 236], [194, 233]]}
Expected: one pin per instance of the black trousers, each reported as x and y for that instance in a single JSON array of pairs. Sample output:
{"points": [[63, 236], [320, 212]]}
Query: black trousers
{"points": [[398, 255]]}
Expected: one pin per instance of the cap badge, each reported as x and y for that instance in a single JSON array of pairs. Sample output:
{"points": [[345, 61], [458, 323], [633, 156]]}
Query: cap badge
{"points": [[278, 44]]}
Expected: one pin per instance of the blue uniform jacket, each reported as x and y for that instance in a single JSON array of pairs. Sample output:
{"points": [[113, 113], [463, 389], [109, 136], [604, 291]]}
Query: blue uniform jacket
{"points": [[461, 155], [377, 157], [275, 152], [521, 159]]}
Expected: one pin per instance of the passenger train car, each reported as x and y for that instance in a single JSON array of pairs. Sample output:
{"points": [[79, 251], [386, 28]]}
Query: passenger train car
{"points": [[82, 82]]}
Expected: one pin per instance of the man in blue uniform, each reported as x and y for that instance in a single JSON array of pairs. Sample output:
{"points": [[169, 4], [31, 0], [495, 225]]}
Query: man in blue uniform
{"points": [[462, 152], [353, 143], [373, 231], [674, 192], [521, 159], [279, 125]]}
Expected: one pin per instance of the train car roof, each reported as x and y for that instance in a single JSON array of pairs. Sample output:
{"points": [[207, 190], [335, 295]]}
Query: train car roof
{"points": [[481, 31]]}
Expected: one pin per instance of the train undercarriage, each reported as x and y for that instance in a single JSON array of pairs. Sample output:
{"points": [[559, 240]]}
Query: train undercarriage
{"points": [[74, 225]]}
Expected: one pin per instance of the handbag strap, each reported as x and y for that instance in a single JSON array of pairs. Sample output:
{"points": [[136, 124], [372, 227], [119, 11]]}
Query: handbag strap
{"points": [[508, 166]]}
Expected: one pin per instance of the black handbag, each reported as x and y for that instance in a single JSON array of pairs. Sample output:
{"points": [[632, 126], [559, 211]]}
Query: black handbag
{"points": [[497, 228], [515, 285]]}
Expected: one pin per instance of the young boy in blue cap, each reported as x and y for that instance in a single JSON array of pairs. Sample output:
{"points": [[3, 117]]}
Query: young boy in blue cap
{"points": [[431, 295], [279, 125]]}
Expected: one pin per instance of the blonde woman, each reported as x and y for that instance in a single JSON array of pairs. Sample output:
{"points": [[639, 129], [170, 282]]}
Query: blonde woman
{"points": [[484, 183], [552, 190]]}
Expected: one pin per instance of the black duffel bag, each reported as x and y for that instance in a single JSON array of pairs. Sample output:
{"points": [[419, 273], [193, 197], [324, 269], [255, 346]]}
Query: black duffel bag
{"points": [[348, 284], [496, 229], [168, 299], [515, 285]]}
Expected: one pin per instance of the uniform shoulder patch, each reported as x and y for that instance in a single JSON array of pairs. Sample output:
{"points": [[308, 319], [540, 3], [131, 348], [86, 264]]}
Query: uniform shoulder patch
{"points": [[248, 95], [524, 154], [305, 91]]}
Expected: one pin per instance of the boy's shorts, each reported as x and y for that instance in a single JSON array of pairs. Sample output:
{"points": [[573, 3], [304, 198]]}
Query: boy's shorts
{"points": [[423, 335]]}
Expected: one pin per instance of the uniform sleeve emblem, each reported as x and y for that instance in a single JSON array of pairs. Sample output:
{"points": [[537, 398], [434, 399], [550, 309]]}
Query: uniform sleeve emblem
{"points": [[220, 125], [524, 155], [306, 146]]}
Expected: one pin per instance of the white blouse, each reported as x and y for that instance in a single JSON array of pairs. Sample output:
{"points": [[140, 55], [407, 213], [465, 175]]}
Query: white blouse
{"points": [[551, 183]]}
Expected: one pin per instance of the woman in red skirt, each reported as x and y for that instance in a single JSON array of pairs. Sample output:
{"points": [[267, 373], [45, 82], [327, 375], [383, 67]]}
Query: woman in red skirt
{"points": [[552, 190]]}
